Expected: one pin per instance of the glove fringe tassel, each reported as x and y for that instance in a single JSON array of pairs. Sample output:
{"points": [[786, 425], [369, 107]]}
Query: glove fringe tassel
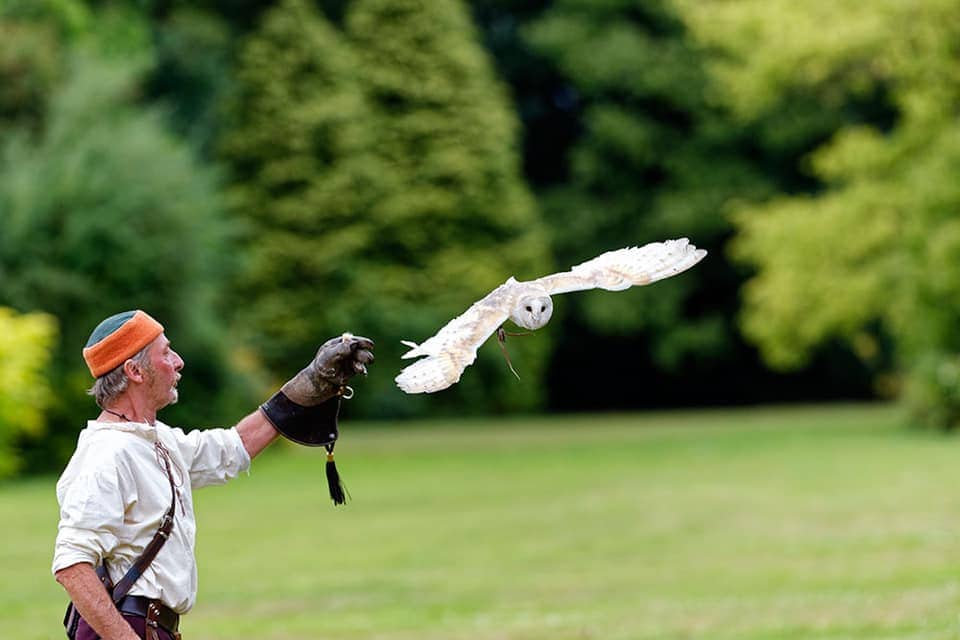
{"points": [[338, 493]]}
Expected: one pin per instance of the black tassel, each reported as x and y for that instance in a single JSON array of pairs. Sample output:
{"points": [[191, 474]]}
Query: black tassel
{"points": [[338, 492]]}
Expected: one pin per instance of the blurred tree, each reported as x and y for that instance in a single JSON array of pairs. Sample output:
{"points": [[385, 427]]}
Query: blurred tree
{"points": [[68, 19], [381, 181], [876, 252], [303, 179], [544, 99], [32, 55], [647, 166], [197, 47], [456, 218], [30, 65], [106, 211], [655, 157], [26, 342], [193, 73]]}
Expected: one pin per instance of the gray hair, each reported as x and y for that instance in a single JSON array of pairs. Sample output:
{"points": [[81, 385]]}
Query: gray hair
{"points": [[109, 386]]}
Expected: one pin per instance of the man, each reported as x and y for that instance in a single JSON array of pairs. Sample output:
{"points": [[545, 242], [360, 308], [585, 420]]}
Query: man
{"points": [[129, 468]]}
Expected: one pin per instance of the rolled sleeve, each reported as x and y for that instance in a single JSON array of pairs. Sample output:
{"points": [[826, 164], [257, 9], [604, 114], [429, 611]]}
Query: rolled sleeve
{"points": [[214, 455]]}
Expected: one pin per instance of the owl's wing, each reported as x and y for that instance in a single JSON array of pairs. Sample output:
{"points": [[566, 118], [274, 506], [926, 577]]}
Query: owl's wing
{"points": [[454, 347], [625, 268]]}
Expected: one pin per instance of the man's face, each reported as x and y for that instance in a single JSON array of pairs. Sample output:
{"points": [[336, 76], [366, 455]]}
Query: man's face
{"points": [[162, 372]]}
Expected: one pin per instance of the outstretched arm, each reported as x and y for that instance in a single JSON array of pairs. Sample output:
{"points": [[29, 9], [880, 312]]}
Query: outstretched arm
{"points": [[256, 432]]}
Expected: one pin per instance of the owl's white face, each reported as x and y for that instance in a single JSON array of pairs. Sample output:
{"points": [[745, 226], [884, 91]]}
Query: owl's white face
{"points": [[532, 312]]}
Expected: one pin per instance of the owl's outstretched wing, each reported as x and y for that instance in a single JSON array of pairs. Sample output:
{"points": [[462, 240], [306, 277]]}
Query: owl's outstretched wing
{"points": [[625, 268], [454, 347]]}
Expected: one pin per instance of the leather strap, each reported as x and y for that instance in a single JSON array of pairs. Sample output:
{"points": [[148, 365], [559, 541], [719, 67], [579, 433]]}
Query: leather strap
{"points": [[161, 614], [154, 610], [159, 538]]}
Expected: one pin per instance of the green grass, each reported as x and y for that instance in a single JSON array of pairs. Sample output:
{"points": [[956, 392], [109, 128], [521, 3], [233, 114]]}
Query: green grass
{"points": [[811, 522]]}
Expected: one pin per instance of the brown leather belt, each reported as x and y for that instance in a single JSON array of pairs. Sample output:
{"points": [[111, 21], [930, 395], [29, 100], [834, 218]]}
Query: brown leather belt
{"points": [[139, 606]]}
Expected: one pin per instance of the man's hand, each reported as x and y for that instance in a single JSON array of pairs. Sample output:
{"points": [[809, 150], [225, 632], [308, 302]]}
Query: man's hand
{"points": [[305, 409], [337, 360]]}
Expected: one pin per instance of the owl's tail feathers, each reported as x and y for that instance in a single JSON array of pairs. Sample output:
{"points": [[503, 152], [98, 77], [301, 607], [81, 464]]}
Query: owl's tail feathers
{"points": [[415, 350], [434, 373]]}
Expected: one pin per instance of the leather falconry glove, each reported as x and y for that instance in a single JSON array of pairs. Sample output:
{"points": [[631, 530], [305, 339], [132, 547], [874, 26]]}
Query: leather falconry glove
{"points": [[306, 407], [337, 360]]}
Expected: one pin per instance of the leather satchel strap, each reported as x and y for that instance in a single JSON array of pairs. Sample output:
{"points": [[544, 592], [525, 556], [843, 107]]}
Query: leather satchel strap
{"points": [[159, 538]]}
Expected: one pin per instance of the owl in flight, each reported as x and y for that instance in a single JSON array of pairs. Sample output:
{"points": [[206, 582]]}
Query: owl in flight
{"points": [[528, 304]]}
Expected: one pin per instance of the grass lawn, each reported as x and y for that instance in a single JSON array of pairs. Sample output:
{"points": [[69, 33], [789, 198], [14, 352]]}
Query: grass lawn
{"points": [[810, 522]]}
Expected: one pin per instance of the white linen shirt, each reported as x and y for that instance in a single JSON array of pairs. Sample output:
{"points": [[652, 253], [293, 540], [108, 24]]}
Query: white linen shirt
{"points": [[114, 492]]}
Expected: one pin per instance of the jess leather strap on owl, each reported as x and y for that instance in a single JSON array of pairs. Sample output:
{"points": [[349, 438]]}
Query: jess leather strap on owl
{"points": [[71, 619]]}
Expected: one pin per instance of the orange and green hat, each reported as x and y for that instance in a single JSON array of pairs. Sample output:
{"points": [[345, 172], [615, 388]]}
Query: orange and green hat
{"points": [[118, 338]]}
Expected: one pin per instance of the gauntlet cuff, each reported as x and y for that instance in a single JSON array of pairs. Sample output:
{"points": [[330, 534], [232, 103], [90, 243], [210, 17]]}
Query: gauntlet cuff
{"points": [[311, 426]]}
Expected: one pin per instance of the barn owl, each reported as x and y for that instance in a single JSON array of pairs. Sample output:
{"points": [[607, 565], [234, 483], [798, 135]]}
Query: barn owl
{"points": [[528, 304]]}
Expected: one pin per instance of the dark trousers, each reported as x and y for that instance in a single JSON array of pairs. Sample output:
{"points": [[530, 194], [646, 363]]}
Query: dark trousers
{"points": [[139, 624]]}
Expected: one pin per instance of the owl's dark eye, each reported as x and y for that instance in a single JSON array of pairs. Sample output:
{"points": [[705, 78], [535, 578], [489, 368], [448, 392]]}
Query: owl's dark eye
{"points": [[543, 308], [528, 308]]}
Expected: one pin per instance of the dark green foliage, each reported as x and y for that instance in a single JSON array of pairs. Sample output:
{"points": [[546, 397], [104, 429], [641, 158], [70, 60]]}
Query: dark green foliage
{"points": [[628, 142], [382, 190], [544, 99], [303, 180], [456, 219], [654, 160], [68, 19], [106, 211], [193, 73], [30, 65]]}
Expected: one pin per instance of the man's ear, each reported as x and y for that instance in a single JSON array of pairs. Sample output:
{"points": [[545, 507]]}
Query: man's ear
{"points": [[133, 371]]}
